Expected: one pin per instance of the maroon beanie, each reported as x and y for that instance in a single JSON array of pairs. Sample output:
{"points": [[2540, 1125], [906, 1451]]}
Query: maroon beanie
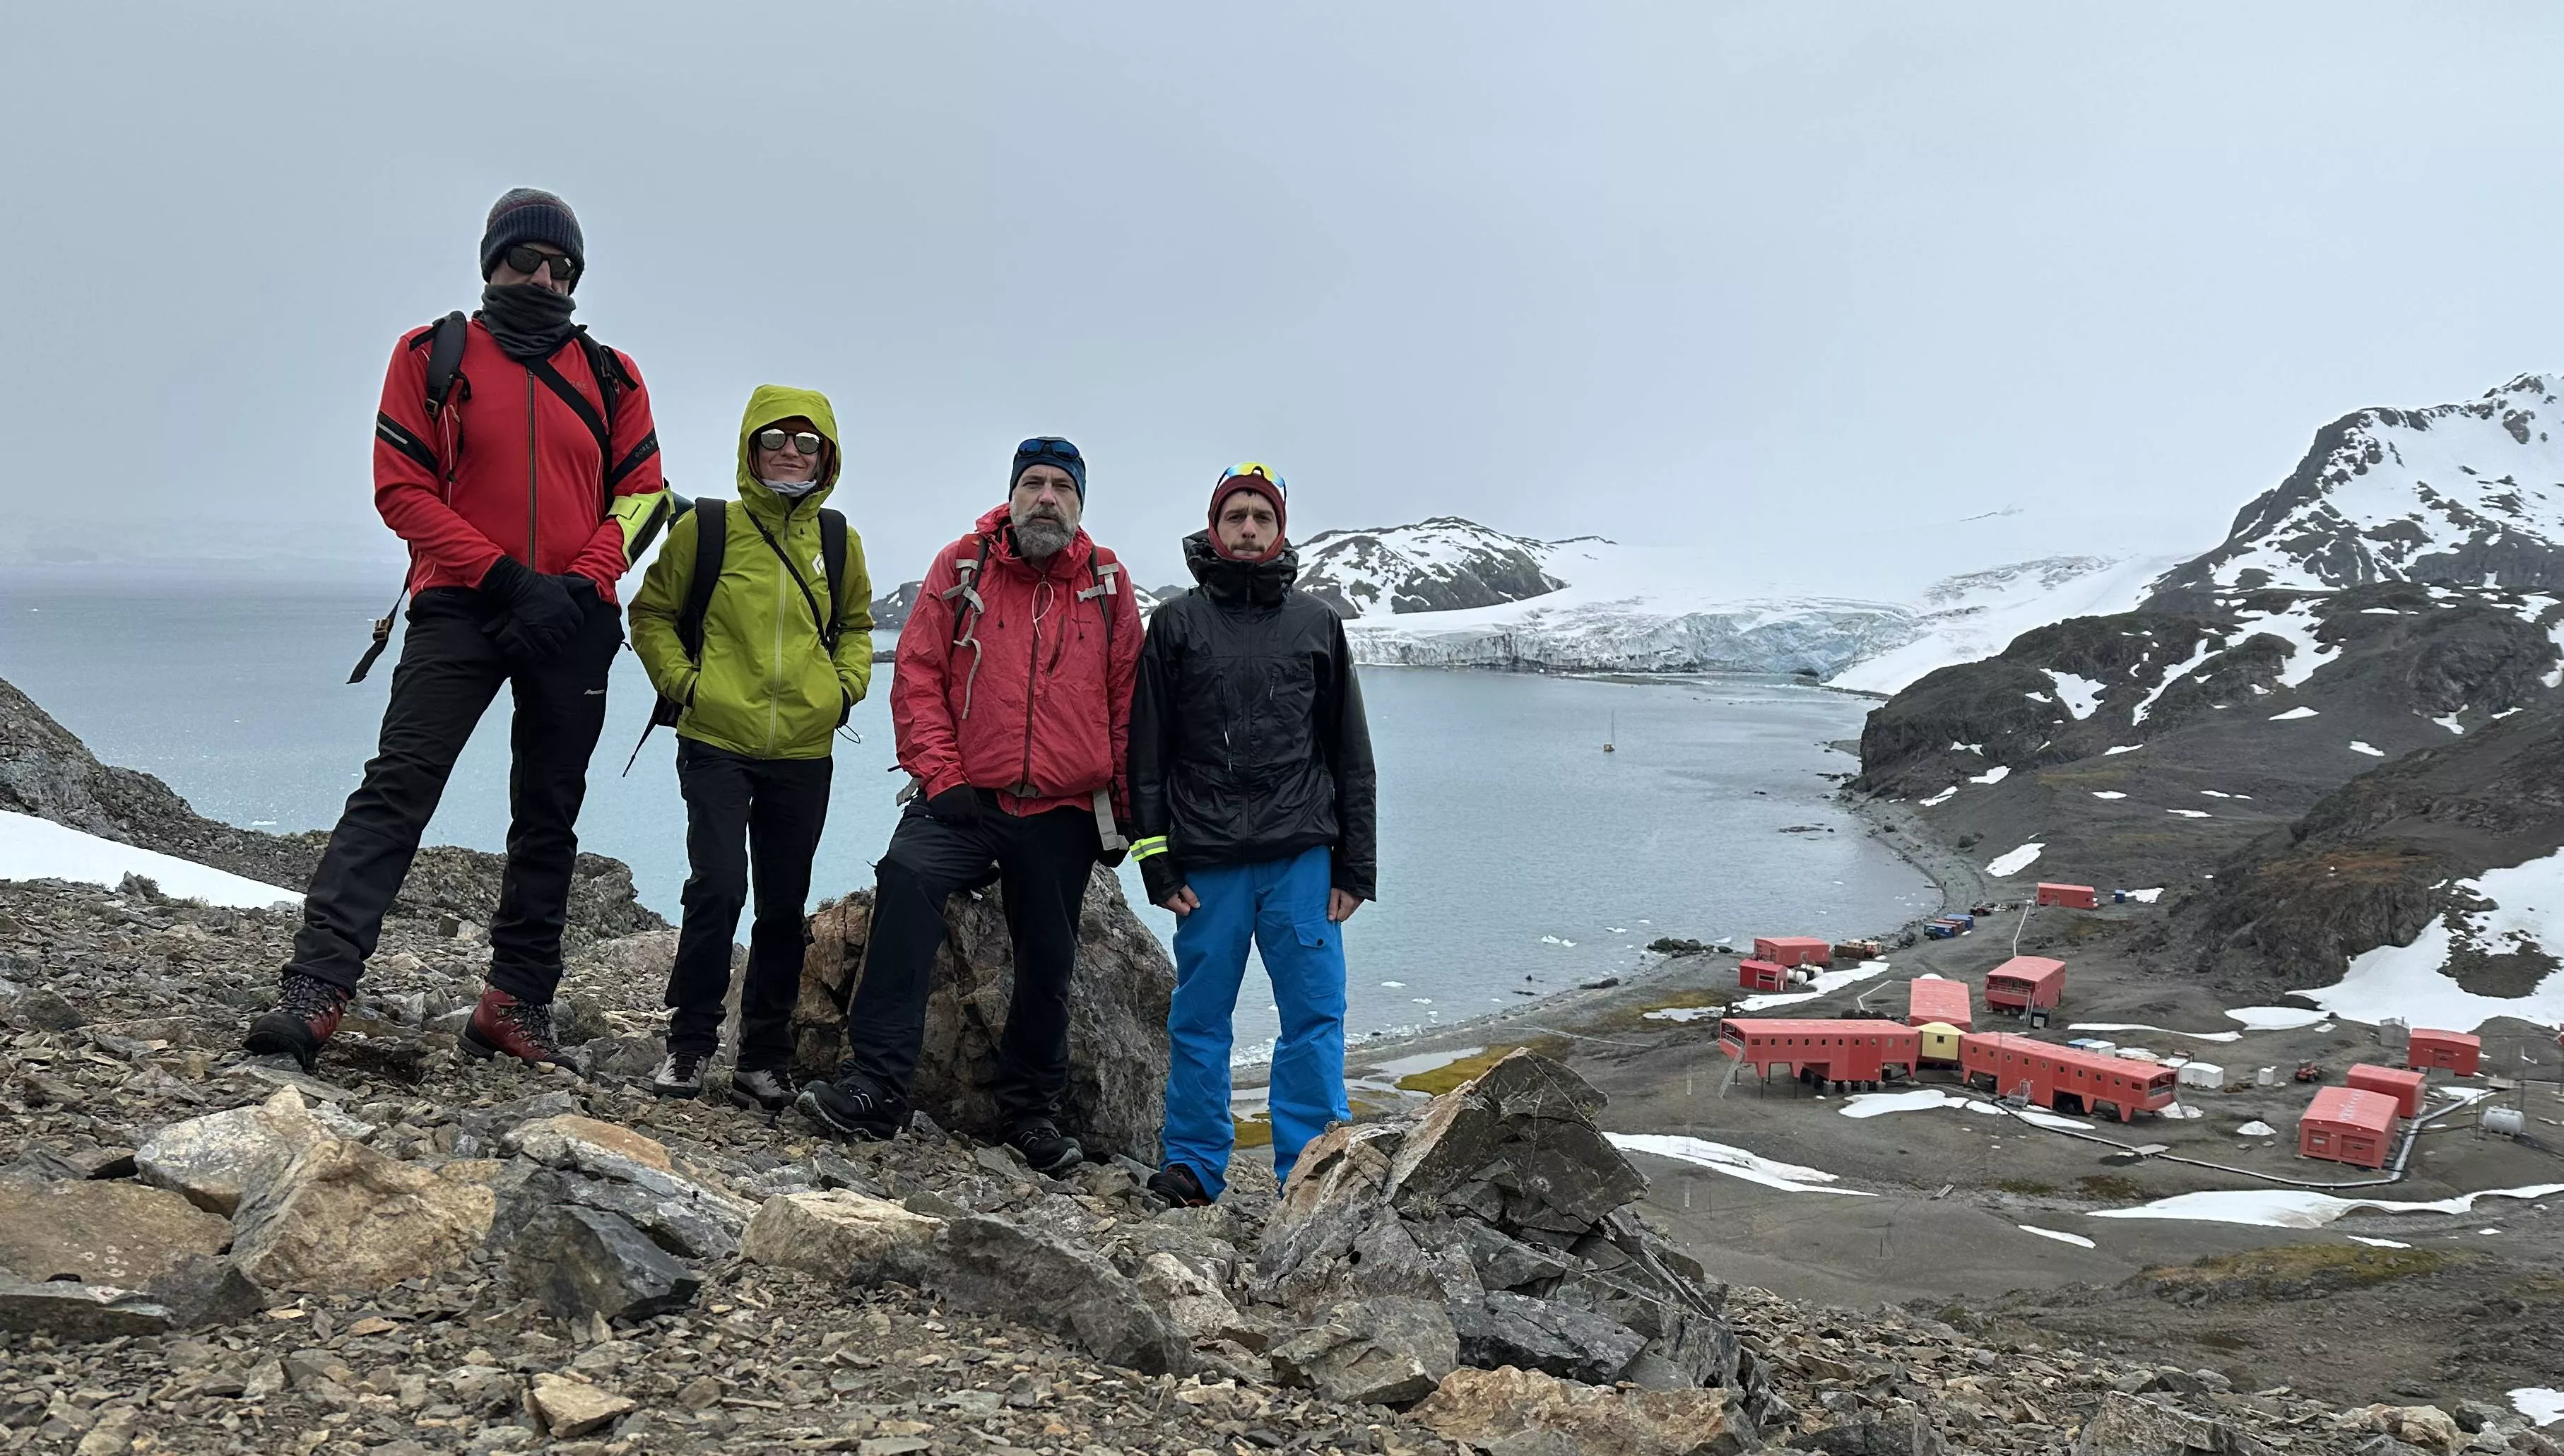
{"points": [[1264, 481]]}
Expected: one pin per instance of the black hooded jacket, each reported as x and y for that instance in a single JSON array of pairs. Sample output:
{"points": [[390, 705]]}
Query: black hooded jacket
{"points": [[1247, 740]]}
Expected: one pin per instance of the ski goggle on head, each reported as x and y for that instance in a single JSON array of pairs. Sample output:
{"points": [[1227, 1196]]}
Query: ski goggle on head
{"points": [[1254, 470], [1047, 447]]}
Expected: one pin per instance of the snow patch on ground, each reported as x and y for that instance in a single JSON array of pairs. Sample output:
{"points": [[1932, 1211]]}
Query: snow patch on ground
{"points": [[2274, 1018], [2107, 793], [2190, 813], [2542, 1406], [1943, 798], [1976, 614], [2209, 647], [2412, 982], [2121, 749], [40, 849], [2300, 1207], [1682, 1013], [1822, 983], [2165, 1030], [2377, 1243], [2372, 751], [2292, 715], [2079, 695], [1876, 1104], [1735, 1163], [2076, 1239], [2451, 723], [2257, 1128], [1995, 774], [2013, 863], [2146, 897], [2296, 627]]}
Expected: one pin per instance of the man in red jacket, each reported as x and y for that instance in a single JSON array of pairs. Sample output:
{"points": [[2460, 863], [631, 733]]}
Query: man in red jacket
{"points": [[1011, 702], [522, 489]]}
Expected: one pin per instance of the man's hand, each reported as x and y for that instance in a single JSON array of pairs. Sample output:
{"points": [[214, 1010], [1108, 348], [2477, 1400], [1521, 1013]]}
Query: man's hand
{"points": [[1341, 904], [1184, 901], [1166, 885], [958, 806]]}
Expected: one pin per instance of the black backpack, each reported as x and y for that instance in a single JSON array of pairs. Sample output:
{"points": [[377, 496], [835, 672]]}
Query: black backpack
{"points": [[712, 545], [444, 345]]}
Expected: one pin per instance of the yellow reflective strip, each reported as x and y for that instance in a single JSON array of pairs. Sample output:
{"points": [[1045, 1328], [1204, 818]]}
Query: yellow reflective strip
{"points": [[1144, 849], [640, 518]]}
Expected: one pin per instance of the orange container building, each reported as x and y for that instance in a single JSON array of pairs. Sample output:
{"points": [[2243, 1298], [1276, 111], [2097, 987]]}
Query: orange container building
{"points": [[1821, 1051], [2055, 1075], [1761, 975], [2402, 1085], [2025, 981], [2072, 897], [2451, 1051], [1929, 999], [2347, 1125], [1789, 950]]}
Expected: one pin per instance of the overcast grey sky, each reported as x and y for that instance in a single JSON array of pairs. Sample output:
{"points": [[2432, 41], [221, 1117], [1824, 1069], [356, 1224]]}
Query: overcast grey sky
{"points": [[1741, 276]]}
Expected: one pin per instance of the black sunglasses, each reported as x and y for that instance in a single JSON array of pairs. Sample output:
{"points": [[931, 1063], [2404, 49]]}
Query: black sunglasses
{"points": [[526, 257], [1050, 445], [804, 441]]}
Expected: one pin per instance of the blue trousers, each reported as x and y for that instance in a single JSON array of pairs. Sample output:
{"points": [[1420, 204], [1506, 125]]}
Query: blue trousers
{"points": [[1281, 905]]}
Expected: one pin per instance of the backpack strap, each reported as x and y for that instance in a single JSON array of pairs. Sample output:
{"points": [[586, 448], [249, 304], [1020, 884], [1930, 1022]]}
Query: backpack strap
{"points": [[442, 341], [711, 543], [966, 620], [832, 559], [445, 360], [1107, 576]]}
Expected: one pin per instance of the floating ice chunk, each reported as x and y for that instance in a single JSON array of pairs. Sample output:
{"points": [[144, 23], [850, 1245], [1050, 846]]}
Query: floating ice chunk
{"points": [[2292, 715], [2014, 861], [2371, 750], [2076, 1239], [1735, 1163], [1555, 941], [1393, 985]]}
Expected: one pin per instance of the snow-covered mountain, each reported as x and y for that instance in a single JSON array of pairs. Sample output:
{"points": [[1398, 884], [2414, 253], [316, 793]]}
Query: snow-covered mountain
{"points": [[2456, 495], [1976, 613], [1436, 565]]}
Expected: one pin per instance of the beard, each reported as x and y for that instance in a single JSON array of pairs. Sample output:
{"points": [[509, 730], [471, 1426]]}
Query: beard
{"points": [[1042, 535]]}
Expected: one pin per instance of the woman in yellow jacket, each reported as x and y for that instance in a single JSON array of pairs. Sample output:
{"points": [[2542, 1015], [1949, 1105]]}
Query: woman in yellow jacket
{"points": [[784, 653]]}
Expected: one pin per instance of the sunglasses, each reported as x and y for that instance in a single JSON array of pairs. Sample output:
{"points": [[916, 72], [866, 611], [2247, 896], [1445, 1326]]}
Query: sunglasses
{"points": [[805, 442], [1254, 470], [526, 257], [1050, 445]]}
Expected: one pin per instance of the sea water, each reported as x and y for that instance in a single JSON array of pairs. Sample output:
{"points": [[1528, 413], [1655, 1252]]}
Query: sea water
{"points": [[1515, 855]]}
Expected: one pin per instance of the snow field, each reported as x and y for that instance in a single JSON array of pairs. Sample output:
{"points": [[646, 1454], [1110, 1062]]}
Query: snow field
{"points": [[1735, 1163], [2005, 865], [2411, 983], [2300, 1207], [40, 849]]}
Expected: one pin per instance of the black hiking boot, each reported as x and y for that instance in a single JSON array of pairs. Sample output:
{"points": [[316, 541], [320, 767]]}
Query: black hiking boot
{"points": [[306, 1017], [1178, 1186], [1049, 1150], [853, 1106], [522, 1029]]}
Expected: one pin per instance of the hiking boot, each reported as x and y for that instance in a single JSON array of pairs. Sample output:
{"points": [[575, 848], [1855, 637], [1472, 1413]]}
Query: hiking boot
{"points": [[761, 1088], [854, 1106], [1049, 1150], [680, 1073], [305, 1016], [1177, 1185], [522, 1029]]}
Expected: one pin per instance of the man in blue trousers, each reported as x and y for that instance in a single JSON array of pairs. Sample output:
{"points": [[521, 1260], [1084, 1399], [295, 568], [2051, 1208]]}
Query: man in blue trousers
{"points": [[1253, 796]]}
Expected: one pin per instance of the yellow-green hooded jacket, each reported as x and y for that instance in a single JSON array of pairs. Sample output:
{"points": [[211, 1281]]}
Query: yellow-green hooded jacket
{"points": [[767, 686]]}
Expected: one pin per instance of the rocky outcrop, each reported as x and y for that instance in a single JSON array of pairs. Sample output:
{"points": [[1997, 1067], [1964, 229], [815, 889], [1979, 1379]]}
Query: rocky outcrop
{"points": [[1535, 1414], [112, 1233], [345, 1217], [1117, 1033]]}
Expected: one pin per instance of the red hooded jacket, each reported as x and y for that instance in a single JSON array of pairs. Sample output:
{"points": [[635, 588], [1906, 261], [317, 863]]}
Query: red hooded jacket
{"points": [[1040, 704], [528, 480]]}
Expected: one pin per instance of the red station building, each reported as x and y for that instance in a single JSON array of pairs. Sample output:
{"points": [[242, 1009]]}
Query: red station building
{"points": [[2011, 1063], [2025, 981], [2072, 897], [2347, 1125], [1761, 975], [2451, 1051], [1789, 950], [1821, 1051], [1929, 999], [2399, 1085]]}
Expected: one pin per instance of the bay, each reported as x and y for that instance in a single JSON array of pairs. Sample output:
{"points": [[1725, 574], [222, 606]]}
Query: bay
{"points": [[1515, 855]]}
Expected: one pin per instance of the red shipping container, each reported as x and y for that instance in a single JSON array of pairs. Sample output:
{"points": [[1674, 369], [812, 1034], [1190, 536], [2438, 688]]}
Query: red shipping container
{"points": [[1759, 976], [2024, 982], [2403, 1085], [2452, 1051], [2010, 1064], [2072, 897], [2346, 1124], [1929, 999], [1835, 1051], [1786, 950]]}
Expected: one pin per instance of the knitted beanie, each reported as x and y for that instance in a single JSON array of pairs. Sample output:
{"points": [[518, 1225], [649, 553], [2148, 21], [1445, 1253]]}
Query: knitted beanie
{"points": [[1264, 481], [530, 215], [1049, 450]]}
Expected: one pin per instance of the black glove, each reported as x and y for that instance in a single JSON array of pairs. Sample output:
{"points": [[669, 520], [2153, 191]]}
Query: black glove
{"points": [[542, 614], [1112, 856], [958, 806], [1159, 873]]}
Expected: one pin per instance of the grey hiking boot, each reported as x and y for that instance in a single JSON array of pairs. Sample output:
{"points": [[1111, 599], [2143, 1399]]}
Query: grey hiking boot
{"points": [[761, 1088], [679, 1074]]}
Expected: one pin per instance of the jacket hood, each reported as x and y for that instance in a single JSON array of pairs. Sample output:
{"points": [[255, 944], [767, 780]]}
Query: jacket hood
{"points": [[1229, 579], [1072, 556], [772, 402]]}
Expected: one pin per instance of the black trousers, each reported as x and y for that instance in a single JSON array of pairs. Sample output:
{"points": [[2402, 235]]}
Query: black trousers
{"points": [[1042, 862], [742, 812], [451, 669]]}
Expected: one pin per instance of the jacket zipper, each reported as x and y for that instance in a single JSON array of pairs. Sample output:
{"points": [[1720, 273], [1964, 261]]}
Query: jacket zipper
{"points": [[532, 518], [1033, 679]]}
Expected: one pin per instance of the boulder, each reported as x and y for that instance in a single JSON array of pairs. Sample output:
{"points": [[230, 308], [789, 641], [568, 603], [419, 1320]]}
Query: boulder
{"points": [[2129, 1425], [1117, 1034], [1502, 1329], [617, 1170], [205, 1289], [1195, 1301], [1381, 1352], [217, 1160], [100, 1232], [838, 1234], [569, 1407], [583, 1265], [68, 1311], [992, 1267], [586, 1144], [1874, 1433], [346, 1219], [2426, 1426], [1511, 1409]]}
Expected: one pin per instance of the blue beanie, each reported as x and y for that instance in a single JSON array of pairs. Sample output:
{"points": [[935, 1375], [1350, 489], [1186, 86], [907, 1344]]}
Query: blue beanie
{"points": [[530, 215], [1049, 450]]}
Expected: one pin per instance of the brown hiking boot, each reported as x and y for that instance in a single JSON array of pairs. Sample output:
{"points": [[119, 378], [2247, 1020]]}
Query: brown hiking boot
{"points": [[522, 1029], [306, 1017]]}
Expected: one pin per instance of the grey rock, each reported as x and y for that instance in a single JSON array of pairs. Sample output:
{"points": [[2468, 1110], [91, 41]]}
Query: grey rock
{"points": [[218, 1160], [994, 1267], [81, 1312], [42, 1010], [1890, 1433], [581, 1262], [2386, 1446], [1381, 1352], [2128, 1425], [2474, 1415], [109, 1233], [1502, 1329], [206, 1289]]}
